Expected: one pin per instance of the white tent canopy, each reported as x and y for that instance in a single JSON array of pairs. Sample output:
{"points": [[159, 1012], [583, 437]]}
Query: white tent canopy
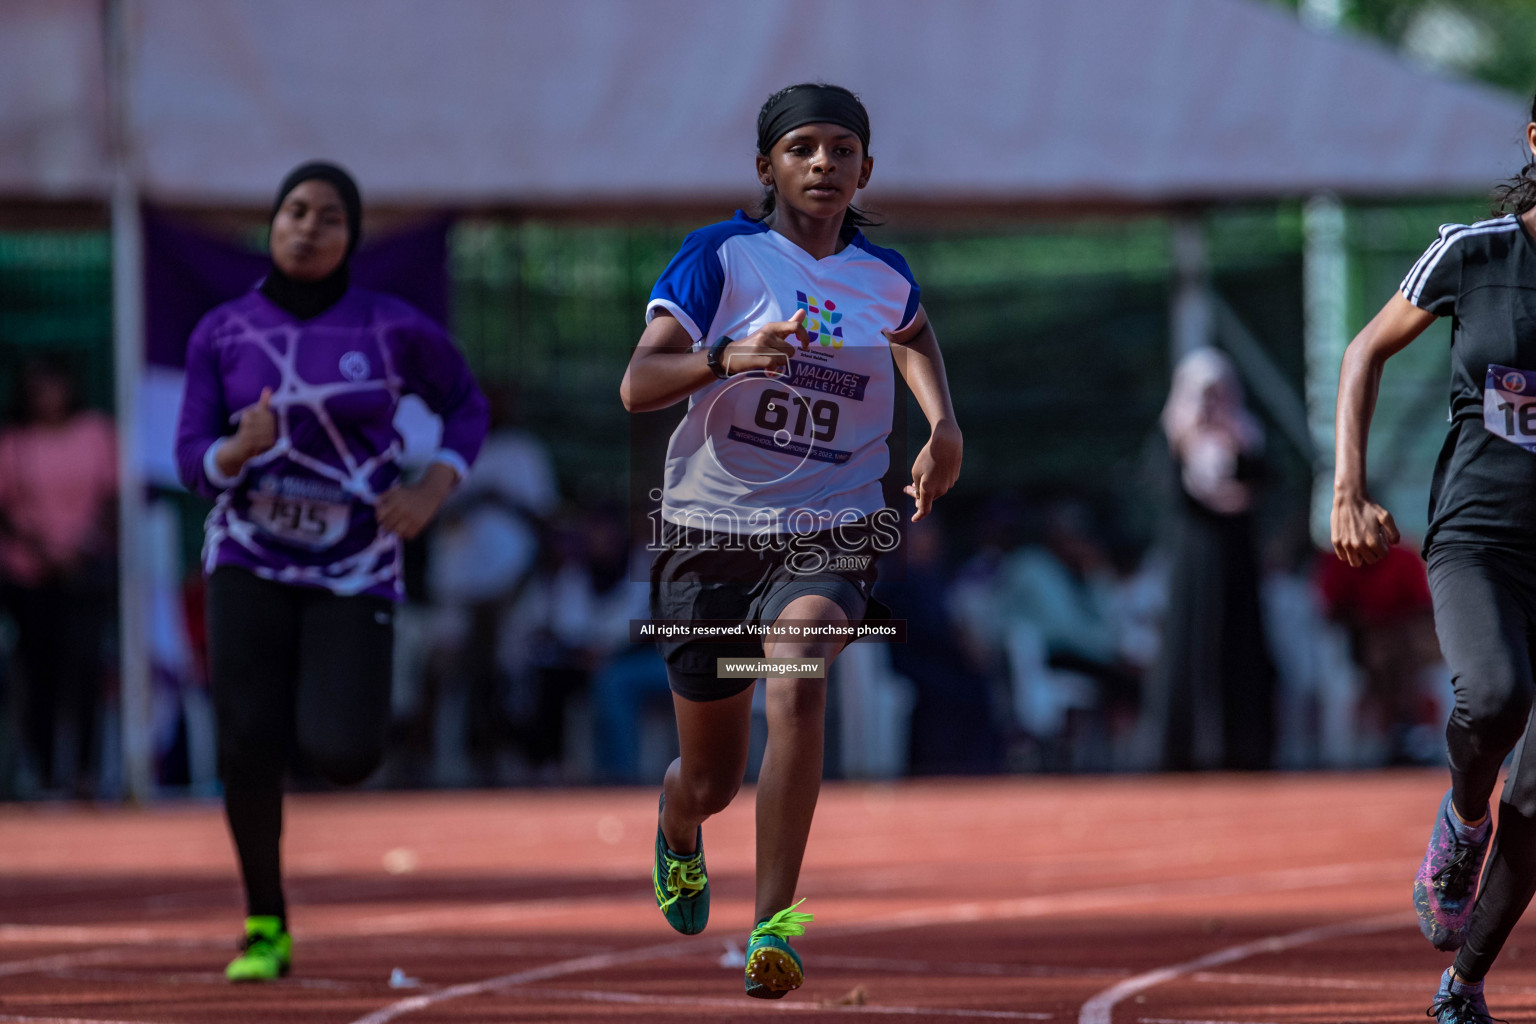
{"points": [[484, 102], [53, 100]]}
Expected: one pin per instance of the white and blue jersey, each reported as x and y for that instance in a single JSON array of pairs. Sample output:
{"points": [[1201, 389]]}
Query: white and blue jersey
{"points": [[799, 451]]}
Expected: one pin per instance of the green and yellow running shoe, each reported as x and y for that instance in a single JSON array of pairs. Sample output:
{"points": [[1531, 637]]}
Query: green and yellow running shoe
{"points": [[773, 968], [682, 888], [267, 951]]}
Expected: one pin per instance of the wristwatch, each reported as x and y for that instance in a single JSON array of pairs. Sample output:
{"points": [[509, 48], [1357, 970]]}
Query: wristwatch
{"points": [[713, 358]]}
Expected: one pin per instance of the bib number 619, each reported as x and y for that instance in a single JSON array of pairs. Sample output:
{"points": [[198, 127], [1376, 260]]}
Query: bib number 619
{"points": [[773, 414]]}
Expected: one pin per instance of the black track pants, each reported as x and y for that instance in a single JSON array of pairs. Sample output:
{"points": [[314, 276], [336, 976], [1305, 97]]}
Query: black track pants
{"points": [[1485, 616], [294, 670]]}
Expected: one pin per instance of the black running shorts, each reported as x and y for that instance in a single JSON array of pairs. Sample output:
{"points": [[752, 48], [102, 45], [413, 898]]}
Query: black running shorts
{"points": [[699, 575]]}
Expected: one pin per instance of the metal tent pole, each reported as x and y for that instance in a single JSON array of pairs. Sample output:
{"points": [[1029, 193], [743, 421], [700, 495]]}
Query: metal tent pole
{"points": [[128, 365], [1325, 294], [1192, 312]]}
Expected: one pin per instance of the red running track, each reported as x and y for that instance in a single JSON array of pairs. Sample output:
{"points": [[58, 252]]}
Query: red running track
{"points": [[1157, 900]]}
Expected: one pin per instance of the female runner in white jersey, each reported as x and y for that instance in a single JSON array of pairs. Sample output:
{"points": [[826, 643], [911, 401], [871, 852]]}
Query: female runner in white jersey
{"points": [[780, 332], [1481, 550]]}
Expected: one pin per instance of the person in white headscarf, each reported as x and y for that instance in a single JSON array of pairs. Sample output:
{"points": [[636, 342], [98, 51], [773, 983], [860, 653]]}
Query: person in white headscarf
{"points": [[1211, 432], [1211, 696]]}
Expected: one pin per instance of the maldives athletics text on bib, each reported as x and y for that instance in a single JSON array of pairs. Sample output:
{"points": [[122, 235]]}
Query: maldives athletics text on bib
{"points": [[1509, 405]]}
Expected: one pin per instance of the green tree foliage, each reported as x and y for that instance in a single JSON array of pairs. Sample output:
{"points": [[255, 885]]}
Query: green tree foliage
{"points": [[1491, 40]]}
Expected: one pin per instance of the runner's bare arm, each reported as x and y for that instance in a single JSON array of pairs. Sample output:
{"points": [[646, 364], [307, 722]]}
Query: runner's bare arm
{"points": [[916, 351], [406, 509], [664, 369], [1362, 529]]}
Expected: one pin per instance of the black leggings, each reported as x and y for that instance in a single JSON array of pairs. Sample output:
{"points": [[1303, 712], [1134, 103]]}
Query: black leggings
{"points": [[294, 669], [1485, 616]]}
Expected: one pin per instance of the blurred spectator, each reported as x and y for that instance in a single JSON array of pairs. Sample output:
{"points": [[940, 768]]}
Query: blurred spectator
{"points": [[621, 690], [1387, 610], [953, 729], [482, 559], [58, 479], [488, 540], [1140, 603], [1211, 698], [1316, 682], [1065, 586], [571, 621], [8, 751], [629, 678], [973, 589], [1063, 634], [1139, 600]]}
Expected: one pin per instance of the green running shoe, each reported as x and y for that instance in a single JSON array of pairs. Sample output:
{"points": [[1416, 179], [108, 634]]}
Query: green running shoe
{"points": [[773, 968], [267, 951], [682, 888]]}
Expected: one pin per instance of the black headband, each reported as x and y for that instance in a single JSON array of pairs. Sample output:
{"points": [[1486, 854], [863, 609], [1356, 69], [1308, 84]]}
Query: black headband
{"points": [[338, 179], [811, 104]]}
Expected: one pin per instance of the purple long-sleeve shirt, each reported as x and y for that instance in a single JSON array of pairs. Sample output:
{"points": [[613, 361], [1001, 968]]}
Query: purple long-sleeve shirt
{"points": [[303, 512]]}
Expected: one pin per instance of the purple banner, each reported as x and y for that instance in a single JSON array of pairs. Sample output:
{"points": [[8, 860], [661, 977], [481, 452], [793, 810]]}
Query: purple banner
{"points": [[188, 272]]}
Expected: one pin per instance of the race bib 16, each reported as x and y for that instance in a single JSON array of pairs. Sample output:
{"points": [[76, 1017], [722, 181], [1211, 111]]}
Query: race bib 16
{"points": [[1509, 405]]}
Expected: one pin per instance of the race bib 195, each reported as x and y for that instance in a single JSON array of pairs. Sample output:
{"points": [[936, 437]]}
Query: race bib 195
{"points": [[300, 512]]}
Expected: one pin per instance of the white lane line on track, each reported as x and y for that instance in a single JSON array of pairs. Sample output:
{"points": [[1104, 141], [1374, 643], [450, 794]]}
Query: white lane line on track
{"points": [[91, 895], [61, 961], [1033, 906], [1029, 906], [1292, 981], [630, 998], [448, 946], [490, 913], [1181, 1020], [217, 978], [961, 967], [559, 969], [1101, 1008], [83, 934], [6, 1018], [1120, 896]]}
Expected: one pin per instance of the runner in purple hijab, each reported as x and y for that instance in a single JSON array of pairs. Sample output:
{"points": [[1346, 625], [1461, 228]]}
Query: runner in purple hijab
{"points": [[287, 423]]}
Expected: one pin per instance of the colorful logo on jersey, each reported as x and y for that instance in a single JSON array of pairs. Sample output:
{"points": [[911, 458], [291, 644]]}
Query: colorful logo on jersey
{"points": [[355, 366], [821, 320], [1514, 382]]}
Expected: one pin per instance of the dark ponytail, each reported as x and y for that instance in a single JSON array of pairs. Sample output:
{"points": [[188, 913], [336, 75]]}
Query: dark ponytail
{"points": [[853, 218], [1518, 194]]}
